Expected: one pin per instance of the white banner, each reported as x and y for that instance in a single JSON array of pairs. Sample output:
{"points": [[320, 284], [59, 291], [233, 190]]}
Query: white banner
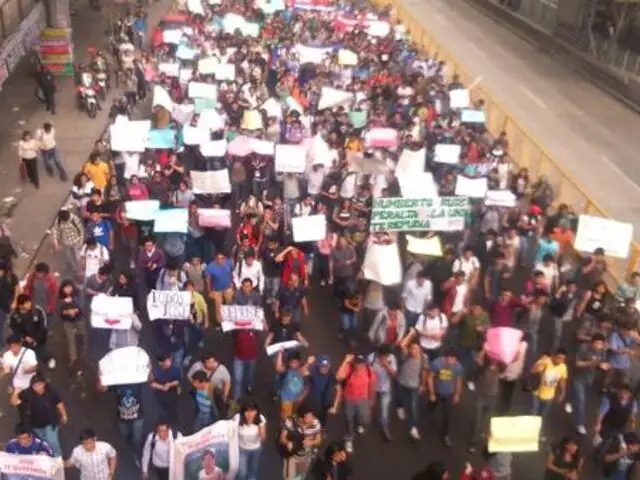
{"points": [[597, 232], [171, 220], [459, 98], [161, 97], [112, 313], [282, 346], [214, 218], [291, 158], [242, 317], [446, 153], [471, 187], [169, 305], [129, 136], [411, 161], [30, 467], [382, 264], [203, 90], [214, 181], [211, 453], [124, 366], [500, 198], [309, 229], [194, 135], [424, 246]]}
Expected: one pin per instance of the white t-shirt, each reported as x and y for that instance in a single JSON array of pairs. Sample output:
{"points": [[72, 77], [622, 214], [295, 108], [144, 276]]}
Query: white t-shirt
{"points": [[416, 296], [348, 187], [217, 474], [458, 300], [21, 379], [94, 259], [466, 266], [428, 325], [314, 181], [249, 435]]}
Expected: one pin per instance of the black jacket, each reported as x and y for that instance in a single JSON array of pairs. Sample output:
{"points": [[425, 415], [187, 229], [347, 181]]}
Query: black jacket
{"points": [[30, 324]]}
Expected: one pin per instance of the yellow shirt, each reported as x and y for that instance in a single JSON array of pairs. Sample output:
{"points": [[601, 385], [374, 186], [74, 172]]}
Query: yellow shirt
{"points": [[550, 378], [99, 174]]}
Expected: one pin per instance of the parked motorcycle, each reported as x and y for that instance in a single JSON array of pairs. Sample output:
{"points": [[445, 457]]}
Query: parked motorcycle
{"points": [[87, 96]]}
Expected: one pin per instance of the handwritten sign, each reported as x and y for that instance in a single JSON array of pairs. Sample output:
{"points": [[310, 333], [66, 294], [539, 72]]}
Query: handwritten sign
{"points": [[291, 158], [597, 232], [142, 210], [242, 317], [124, 366], [169, 305], [214, 181], [37, 467], [112, 313], [309, 229], [172, 220]]}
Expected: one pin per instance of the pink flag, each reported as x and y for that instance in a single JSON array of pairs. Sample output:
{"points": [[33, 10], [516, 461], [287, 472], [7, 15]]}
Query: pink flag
{"points": [[502, 343]]}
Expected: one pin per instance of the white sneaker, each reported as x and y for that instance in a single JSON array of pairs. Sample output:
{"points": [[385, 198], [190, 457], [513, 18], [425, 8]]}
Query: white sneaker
{"points": [[348, 446], [52, 364], [568, 408], [581, 429], [401, 414], [414, 433], [471, 386], [359, 429]]}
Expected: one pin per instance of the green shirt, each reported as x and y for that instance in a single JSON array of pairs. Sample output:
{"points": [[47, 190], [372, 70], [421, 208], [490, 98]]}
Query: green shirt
{"points": [[469, 336]]}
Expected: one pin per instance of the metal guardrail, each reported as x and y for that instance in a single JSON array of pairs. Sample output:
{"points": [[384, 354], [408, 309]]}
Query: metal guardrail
{"points": [[12, 12], [523, 147]]}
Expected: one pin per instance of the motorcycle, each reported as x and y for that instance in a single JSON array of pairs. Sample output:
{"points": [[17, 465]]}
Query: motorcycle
{"points": [[87, 95], [103, 85]]}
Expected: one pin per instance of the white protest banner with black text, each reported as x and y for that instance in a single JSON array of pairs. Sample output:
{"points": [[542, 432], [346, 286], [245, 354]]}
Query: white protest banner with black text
{"points": [[169, 305]]}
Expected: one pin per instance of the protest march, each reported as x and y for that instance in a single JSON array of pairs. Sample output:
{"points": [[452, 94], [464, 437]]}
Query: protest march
{"points": [[310, 244]]}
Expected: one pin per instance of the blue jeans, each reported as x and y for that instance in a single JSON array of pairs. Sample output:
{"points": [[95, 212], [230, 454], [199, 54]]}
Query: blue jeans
{"points": [[467, 359], [580, 387], [51, 158], [541, 408], [411, 318], [349, 321], [248, 464], [242, 376], [384, 402], [133, 432], [50, 435], [271, 286], [408, 399]]}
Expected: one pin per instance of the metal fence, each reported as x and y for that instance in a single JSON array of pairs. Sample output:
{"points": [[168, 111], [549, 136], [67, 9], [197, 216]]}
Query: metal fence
{"points": [[523, 147]]}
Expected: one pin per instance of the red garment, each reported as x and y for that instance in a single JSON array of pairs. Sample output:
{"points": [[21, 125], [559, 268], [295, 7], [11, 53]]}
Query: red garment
{"points": [[293, 262], [163, 157], [52, 290], [138, 191], [391, 333], [247, 228], [127, 228], [245, 345]]}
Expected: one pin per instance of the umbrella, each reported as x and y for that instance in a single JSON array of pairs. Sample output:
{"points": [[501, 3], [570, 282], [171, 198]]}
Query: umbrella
{"points": [[502, 343]]}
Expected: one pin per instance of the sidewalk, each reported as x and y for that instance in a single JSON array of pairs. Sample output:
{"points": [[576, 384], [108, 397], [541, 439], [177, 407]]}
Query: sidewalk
{"points": [[593, 136], [75, 132]]}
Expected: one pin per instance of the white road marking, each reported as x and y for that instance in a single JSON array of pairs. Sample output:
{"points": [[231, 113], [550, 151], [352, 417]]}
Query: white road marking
{"points": [[532, 96], [618, 170]]}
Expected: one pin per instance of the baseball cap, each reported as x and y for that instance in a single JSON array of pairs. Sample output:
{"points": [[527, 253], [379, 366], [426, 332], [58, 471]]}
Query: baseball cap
{"points": [[324, 361]]}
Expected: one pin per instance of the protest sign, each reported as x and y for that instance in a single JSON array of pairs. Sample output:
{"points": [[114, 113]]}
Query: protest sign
{"points": [[358, 118], [290, 158], [185, 75], [367, 165], [129, 136], [411, 161], [111, 313], [282, 346], [169, 305], [319, 152], [195, 7], [417, 184], [378, 28], [30, 467], [251, 120], [500, 198], [124, 366], [459, 98], [331, 97], [382, 264], [242, 317], [210, 453], [185, 52], [431, 246], [194, 135], [212, 182], [183, 113], [214, 148], [447, 153], [347, 58], [416, 214], [597, 232], [171, 220], [471, 187], [173, 36], [203, 90], [273, 108], [141, 210], [312, 54], [225, 72], [207, 66], [309, 229], [381, 138], [473, 116], [209, 118], [161, 138], [214, 218], [262, 147], [170, 69], [515, 434]]}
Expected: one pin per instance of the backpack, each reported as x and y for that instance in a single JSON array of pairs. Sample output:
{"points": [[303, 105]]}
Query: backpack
{"points": [[174, 434]]}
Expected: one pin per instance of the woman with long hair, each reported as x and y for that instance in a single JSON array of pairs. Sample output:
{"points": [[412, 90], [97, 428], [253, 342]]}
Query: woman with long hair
{"points": [[69, 309], [252, 432]]}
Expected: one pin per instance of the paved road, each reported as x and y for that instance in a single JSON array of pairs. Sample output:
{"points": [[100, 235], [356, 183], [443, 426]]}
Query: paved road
{"points": [[75, 132], [582, 127]]}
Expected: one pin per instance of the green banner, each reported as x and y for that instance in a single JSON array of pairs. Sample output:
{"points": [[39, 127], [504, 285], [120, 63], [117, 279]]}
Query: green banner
{"points": [[443, 214]]}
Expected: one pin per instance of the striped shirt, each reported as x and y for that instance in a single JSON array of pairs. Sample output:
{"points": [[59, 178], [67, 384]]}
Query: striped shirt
{"points": [[93, 465]]}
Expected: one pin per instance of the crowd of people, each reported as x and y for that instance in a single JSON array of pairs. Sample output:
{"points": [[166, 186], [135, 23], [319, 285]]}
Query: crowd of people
{"points": [[329, 127]]}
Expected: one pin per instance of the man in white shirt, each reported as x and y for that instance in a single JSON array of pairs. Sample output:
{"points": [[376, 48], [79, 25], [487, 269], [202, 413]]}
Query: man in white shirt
{"points": [[430, 331], [417, 293], [20, 362], [468, 264], [46, 136], [249, 268], [95, 459], [93, 256], [157, 450]]}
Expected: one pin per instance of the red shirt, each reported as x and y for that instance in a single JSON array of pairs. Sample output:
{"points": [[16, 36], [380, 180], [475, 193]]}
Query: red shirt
{"points": [[293, 262], [245, 345], [359, 383]]}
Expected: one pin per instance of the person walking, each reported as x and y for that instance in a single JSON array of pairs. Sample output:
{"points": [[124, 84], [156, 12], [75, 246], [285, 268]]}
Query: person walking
{"points": [[26, 443], [47, 86], [96, 460], [46, 137], [157, 451], [68, 235], [28, 158]]}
